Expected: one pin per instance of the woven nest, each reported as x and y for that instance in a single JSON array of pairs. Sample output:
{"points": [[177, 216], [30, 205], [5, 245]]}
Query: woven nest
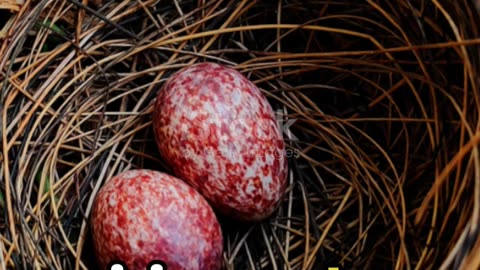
{"points": [[382, 100]]}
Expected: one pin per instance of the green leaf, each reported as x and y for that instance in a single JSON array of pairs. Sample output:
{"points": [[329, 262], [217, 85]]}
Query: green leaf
{"points": [[2, 200], [46, 186], [50, 25]]}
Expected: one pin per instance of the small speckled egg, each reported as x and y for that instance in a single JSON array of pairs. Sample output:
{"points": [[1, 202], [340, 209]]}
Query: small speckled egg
{"points": [[217, 131], [141, 215]]}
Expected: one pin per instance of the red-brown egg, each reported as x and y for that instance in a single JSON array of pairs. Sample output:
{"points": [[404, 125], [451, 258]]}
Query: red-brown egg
{"points": [[141, 216], [217, 131]]}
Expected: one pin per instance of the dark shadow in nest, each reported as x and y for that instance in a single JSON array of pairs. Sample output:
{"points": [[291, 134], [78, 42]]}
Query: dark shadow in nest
{"points": [[4, 17]]}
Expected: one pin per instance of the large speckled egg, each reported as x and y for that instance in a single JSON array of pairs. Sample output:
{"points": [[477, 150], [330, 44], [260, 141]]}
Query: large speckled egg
{"points": [[141, 215], [217, 131]]}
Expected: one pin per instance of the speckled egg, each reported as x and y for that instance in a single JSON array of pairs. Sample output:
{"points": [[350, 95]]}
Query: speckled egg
{"points": [[217, 131], [141, 215]]}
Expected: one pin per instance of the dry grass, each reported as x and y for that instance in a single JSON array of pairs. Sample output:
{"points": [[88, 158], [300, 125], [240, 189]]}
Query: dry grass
{"points": [[384, 94]]}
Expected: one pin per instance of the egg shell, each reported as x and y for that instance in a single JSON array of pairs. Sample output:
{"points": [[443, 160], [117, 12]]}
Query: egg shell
{"points": [[217, 131], [142, 215]]}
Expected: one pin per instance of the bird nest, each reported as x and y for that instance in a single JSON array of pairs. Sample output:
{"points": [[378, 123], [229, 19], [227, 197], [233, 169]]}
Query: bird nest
{"points": [[379, 101]]}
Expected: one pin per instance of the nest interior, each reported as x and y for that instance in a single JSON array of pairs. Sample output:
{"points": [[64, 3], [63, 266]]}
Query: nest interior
{"points": [[382, 99]]}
